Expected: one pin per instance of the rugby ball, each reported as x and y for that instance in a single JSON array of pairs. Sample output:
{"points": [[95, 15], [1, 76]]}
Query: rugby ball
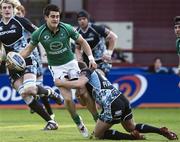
{"points": [[16, 60]]}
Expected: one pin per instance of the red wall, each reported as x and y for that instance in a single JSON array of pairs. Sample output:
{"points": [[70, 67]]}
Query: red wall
{"points": [[153, 22]]}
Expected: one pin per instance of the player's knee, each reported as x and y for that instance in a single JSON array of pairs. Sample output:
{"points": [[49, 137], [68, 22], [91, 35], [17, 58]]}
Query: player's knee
{"points": [[98, 135], [27, 99], [68, 101], [129, 127], [30, 91]]}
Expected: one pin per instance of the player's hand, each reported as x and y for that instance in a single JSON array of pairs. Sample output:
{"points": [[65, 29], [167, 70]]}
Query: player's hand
{"points": [[107, 55], [92, 64], [9, 65]]}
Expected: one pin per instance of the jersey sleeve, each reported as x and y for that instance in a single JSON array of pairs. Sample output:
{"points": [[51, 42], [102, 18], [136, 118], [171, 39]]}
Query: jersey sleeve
{"points": [[26, 24], [73, 33], [35, 38]]}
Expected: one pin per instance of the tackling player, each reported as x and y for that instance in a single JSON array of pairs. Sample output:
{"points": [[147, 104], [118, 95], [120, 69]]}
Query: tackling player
{"points": [[115, 107]]}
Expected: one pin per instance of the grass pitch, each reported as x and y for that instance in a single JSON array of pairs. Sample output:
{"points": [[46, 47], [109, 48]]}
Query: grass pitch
{"points": [[21, 126]]}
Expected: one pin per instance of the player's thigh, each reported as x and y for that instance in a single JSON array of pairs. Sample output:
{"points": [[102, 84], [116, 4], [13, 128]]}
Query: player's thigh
{"points": [[17, 83], [100, 128], [66, 93], [29, 83]]}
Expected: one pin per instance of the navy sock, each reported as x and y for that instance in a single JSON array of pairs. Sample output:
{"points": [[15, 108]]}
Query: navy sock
{"points": [[41, 90], [45, 101], [38, 108], [143, 128], [115, 135]]}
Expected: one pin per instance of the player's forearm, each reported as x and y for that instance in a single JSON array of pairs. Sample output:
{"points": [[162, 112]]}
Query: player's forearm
{"points": [[111, 38], [86, 48], [78, 53], [26, 51], [76, 84]]}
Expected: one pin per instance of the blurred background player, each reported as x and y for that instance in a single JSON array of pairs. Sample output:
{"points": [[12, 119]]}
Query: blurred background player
{"points": [[96, 36], [12, 38], [157, 66], [177, 33], [20, 11]]}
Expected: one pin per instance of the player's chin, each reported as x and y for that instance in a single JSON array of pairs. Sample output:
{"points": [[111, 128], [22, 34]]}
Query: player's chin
{"points": [[54, 25]]}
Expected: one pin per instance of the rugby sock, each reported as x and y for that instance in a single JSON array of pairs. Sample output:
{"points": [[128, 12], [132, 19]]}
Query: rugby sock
{"points": [[38, 108], [116, 135], [76, 119], [41, 90], [45, 101], [143, 128]]}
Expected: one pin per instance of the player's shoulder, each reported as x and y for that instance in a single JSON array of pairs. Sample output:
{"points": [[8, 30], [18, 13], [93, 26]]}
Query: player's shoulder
{"points": [[21, 19], [95, 26], [87, 72], [40, 29], [64, 25]]}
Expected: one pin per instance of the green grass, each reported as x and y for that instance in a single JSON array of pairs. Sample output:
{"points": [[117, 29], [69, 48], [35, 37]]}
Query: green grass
{"points": [[21, 126]]}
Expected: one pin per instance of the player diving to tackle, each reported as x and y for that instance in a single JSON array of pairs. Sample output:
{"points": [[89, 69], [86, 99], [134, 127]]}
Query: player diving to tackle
{"points": [[115, 107]]}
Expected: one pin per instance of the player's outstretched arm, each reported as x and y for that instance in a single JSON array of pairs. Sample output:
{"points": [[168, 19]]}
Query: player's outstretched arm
{"points": [[27, 51], [75, 84]]}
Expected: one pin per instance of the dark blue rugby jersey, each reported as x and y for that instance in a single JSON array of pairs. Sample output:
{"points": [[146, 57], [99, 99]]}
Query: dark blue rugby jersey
{"points": [[95, 36], [12, 34]]}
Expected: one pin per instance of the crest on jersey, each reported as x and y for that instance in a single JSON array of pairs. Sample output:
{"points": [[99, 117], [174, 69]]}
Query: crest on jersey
{"points": [[46, 37], [1, 28]]}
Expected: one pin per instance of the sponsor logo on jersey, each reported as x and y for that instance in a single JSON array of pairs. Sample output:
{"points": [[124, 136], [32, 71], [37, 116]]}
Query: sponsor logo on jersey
{"points": [[57, 48], [7, 32], [91, 35], [89, 39]]}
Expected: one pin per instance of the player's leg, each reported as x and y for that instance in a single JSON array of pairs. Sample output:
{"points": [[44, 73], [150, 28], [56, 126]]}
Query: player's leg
{"points": [[44, 99], [70, 106], [129, 124], [59, 72], [112, 114], [103, 131], [28, 90]]}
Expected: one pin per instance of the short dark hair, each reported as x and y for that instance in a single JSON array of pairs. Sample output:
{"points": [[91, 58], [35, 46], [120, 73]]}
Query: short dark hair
{"points": [[83, 13], [49, 8], [177, 20]]}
